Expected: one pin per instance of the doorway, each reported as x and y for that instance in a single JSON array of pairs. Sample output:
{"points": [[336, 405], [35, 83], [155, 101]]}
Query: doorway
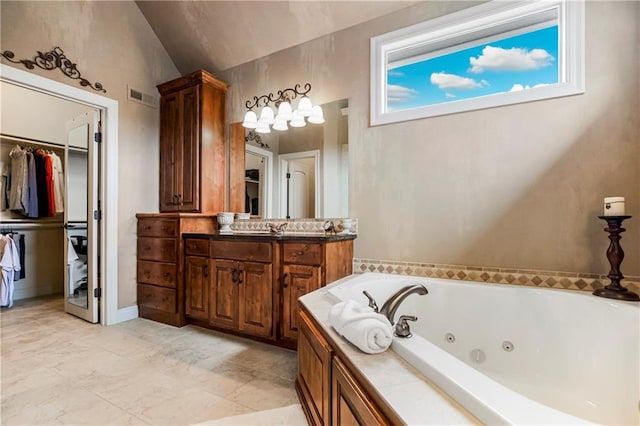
{"points": [[300, 181], [106, 214]]}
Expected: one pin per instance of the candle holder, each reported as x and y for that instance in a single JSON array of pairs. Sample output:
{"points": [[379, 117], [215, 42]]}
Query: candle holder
{"points": [[615, 254]]}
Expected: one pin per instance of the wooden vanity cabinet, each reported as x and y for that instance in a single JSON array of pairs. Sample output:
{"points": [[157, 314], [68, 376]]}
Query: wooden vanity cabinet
{"points": [[307, 266], [160, 263], [192, 146], [242, 292]]}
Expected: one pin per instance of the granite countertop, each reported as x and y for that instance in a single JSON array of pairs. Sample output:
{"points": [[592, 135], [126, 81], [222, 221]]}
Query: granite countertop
{"points": [[410, 394], [243, 236]]}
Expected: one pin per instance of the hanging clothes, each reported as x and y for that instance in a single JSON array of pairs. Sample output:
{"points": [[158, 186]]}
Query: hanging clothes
{"points": [[9, 265], [33, 186], [58, 183], [19, 190], [41, 183], [51, 199]]}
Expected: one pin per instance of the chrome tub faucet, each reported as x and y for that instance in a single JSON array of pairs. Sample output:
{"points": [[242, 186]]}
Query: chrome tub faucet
{"points": [[392, 304]]}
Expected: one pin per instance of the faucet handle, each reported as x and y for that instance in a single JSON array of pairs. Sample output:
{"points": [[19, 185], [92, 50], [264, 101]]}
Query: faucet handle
{"points": [[402, 327], [372, 302]]}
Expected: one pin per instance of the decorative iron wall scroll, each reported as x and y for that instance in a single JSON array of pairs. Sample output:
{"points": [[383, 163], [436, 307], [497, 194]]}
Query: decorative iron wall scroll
{"points": [[52, 60]]}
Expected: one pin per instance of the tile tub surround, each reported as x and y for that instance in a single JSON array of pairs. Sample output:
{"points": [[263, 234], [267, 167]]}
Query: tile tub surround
{"points": [[492, 275], [58, 369], [295, 226], [391, 376]]}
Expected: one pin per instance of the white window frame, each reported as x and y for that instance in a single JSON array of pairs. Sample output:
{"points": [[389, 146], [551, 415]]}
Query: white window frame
{"points": [[492, 14]]}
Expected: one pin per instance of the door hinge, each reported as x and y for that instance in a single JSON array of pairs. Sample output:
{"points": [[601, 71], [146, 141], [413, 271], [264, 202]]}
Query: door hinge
{"points": [[97, 136], [97, 292], [97, 214]]}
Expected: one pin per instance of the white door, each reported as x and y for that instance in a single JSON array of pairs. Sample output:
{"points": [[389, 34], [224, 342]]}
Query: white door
{"points": [[300, 189], [81, 215]]}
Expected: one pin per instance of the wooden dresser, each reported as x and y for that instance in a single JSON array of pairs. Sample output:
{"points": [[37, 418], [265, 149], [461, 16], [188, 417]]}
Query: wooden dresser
{"points": [[160, 274]]}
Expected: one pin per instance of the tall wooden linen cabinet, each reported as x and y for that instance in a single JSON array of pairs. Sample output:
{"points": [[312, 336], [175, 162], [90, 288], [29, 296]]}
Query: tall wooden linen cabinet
{"points": [[192, 154], [192, 187]]}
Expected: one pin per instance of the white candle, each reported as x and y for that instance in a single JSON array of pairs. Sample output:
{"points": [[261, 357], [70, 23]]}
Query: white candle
{"points": [[614, 206]]}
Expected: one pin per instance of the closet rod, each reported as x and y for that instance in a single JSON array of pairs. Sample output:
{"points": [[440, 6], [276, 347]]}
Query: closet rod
{"points": [[29, 226], [32, 141]]}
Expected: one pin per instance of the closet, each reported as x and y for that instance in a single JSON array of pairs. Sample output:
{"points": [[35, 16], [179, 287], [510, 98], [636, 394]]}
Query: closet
{"points": [[51, 210]]}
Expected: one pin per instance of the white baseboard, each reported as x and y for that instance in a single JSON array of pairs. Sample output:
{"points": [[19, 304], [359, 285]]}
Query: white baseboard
{"points": [[128, 313]]}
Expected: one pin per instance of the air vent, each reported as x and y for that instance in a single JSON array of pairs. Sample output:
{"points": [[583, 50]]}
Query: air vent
{"points": [[141, 97]]}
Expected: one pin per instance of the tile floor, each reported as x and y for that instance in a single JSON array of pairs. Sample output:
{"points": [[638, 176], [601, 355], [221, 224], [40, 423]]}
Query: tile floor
{"points": [[58, 369]]}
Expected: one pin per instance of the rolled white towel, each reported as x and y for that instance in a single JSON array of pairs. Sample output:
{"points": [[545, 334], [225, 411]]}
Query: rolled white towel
{"points": [[369, 331]]}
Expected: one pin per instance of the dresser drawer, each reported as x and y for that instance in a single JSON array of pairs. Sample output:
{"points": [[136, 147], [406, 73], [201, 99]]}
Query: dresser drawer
{"points": [[242, 250], [156, 227], [162, 274], [301, 253], [160, 249], [158, 298], [196, 247]]}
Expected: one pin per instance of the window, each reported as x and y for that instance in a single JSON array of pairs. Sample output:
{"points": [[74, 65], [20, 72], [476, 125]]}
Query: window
{"points": [[498, 53]]}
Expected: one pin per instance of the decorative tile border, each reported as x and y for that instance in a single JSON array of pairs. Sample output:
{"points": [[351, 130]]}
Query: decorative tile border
{"points": [[527, 277], [294, 226]]}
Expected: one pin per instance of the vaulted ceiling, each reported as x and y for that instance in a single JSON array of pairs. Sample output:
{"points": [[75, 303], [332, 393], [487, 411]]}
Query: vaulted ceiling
{"points": [[217, 35]]}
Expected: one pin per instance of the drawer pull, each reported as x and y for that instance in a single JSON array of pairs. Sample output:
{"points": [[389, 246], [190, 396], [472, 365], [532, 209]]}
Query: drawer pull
{"points": [[299, 253]]}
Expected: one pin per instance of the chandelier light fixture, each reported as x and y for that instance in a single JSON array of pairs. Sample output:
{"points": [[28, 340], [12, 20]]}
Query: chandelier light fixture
{"points": [[286, 116]]}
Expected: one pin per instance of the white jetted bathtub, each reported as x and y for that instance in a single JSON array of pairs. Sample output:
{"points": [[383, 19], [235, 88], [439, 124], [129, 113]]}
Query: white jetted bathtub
{"points": [[518, 355]]}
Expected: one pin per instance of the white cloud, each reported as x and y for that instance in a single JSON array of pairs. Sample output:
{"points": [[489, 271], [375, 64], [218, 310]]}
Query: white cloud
{"points": [[449, 95], [514, 59], [452, 81], [518, 87], [397, 94]]}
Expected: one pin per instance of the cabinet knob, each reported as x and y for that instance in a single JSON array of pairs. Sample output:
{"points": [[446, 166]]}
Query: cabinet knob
{"points": [[205, 271], [284, 281]]}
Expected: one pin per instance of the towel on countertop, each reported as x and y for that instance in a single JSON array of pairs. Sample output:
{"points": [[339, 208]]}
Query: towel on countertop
{"points": [[369, 331]]}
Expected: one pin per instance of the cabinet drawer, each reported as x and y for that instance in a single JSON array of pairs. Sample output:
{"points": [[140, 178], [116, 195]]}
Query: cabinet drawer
{"points": [[301, 253], [196, 247], [160, 249], [162, 274], [242, 250], [159, 298], [154, 227]]}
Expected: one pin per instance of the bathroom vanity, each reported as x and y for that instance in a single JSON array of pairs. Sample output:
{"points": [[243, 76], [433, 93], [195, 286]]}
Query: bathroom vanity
{"points": [[245, 284]]}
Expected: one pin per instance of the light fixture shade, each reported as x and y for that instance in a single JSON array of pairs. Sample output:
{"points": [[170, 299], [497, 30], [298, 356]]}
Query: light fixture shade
{"points": [[250, 120], [266, 115], [280, 124], [263, 128], [317, 116], [297, 120], [305, 106], [284, 111]]}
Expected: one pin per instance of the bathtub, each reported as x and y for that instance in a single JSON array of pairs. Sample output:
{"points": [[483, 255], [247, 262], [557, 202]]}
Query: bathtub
{"points": [[518, 355]]}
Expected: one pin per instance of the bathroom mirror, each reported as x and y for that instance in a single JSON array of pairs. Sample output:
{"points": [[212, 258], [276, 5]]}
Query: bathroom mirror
{"points": [[298, 173]]}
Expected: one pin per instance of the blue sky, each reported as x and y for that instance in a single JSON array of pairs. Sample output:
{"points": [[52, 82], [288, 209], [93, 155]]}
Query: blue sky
{"points": [[518, 62]]}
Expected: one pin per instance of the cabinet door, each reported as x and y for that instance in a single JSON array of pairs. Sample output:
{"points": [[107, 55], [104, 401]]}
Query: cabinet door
{"points": [[256, 299], [350, 405], [197, 287], [297, 280], [170, 141], [223, 294], [189, 161], [314, 372]]}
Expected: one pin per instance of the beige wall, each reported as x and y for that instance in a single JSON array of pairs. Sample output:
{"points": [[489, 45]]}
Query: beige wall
{"points": [[517, 186], [113, 44]]}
